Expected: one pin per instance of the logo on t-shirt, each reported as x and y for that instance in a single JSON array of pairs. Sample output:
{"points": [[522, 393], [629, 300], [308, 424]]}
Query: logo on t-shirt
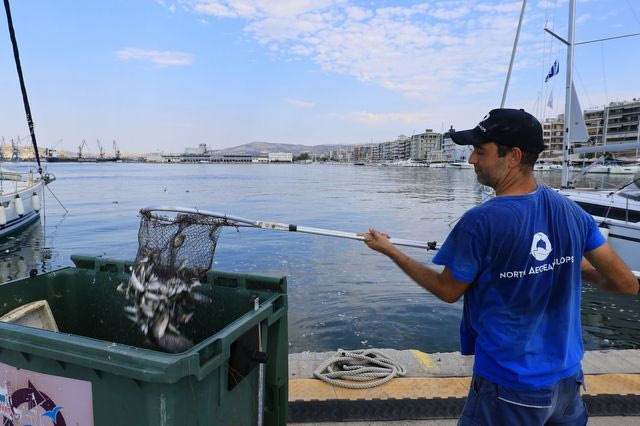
{"points": [[541, 246]]}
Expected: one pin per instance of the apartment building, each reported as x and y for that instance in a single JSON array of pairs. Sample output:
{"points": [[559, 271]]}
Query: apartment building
{"points": [[616, 123], [422, 144]]}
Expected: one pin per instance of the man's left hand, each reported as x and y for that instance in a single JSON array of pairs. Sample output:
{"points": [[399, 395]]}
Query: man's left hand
{"points": [[378, 241]]}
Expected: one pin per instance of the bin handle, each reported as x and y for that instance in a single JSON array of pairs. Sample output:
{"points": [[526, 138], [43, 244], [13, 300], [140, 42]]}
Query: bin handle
{"points": [[207, 365]]}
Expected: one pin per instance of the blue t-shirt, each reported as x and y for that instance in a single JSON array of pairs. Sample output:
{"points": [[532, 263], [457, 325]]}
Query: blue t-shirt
{"points": [[522, 256]]}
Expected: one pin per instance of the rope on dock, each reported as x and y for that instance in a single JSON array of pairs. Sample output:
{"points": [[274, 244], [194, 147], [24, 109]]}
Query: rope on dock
{"points": [[359, 369]]}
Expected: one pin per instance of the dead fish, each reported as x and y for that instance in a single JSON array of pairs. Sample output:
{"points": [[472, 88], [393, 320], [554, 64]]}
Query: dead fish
{"points": [[178, 240], [174, 343], [135, 283], [160, 327], [163, 299]]}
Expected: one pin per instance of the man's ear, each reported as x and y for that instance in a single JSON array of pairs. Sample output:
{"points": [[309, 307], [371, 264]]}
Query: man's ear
{"points": [[515, 156]]}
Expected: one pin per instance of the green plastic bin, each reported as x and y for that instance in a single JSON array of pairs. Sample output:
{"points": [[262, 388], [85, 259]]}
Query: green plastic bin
{"points": [[97, 369]]}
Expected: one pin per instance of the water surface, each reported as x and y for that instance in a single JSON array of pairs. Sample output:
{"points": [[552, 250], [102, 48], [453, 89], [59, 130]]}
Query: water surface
{"points": [[341, 294]]}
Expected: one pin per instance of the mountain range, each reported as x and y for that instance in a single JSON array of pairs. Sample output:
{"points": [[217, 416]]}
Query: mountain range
{"points": [[255, 148]]}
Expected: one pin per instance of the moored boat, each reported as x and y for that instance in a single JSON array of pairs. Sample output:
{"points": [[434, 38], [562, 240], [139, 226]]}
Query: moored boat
{"points": [[20, 198]]}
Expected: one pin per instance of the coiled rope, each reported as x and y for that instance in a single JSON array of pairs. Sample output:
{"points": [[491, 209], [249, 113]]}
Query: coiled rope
{"points": [[347, 368]]}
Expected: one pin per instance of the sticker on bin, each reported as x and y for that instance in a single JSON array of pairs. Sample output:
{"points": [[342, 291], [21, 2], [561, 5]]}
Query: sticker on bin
{"points": [[29, 398]]}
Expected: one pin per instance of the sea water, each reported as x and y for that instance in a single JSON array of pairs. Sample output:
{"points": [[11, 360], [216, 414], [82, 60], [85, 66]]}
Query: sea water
{"points": [[341, 293]]}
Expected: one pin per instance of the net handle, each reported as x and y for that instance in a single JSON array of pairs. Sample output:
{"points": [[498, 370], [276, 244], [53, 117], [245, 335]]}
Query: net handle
{"points": [[275, 226]]}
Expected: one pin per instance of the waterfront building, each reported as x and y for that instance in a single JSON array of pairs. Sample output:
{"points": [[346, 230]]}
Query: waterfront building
{"points": [[401, 148], [452, 152], [200, 150], [552, 134], [344, 155], [280, 157], [364, 152], [424, 143], [232, 158], [613, 124]]}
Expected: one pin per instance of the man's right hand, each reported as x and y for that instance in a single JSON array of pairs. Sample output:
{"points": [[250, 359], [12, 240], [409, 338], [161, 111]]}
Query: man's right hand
{"points": [[603, 267]]}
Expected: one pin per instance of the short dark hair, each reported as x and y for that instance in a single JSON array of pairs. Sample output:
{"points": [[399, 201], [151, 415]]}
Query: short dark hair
{"points": [[528, 158]]}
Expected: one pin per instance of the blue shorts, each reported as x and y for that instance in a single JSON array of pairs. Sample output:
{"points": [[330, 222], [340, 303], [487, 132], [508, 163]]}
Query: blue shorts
{"points": [[489, 403]]}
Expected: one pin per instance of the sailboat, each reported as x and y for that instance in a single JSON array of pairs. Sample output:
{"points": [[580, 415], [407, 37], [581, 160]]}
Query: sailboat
{"points": [[20, 200], [616, 212], [20, 193]]}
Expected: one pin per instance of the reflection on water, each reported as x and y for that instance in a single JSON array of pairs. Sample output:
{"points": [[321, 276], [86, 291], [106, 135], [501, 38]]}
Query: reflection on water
{"points": [[610, 320], [23, 252], [341, 294]]}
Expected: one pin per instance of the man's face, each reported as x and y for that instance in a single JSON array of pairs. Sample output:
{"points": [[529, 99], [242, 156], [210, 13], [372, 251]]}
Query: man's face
{"points": [[490, 168]]}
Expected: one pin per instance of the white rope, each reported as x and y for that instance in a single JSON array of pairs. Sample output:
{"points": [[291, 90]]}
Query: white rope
{"points": [[347, 368]]}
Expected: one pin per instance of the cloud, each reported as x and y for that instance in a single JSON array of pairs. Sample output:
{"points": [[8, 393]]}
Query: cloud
{"points": [[158, 57], [426, 49], [583, 18], [391, 117], [300, 103], [550, 4]]}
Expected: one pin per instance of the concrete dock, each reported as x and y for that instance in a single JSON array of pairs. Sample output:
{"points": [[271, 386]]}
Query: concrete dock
{"points": [[435, 387]]}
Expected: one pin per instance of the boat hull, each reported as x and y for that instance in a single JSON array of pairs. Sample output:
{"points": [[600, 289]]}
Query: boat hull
{"points": [[61, 160], [619, 216], [15, 221]]}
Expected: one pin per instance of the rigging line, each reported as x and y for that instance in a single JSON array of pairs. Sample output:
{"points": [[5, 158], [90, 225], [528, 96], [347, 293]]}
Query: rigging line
{"points": [[23, 89], [627, 184], [586, 92], [59, 202], [633, 11], [604, 75], [608, 38]]}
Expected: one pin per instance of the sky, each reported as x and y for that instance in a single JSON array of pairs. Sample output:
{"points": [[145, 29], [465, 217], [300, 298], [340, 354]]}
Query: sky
{"points": [[162, 75]]}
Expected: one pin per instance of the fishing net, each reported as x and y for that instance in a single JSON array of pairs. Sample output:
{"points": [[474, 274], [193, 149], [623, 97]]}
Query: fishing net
{"points": [[175, 252], [181, 245]]}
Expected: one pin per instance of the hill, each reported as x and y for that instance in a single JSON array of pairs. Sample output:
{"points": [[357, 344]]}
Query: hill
{"points": [[255, 148]]}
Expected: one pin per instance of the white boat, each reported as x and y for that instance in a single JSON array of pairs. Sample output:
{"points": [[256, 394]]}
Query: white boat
{"points": [[546, 166], [618, 215], [616, 212], [437, 165], [610, 168], [20, 198], [459, 165]]}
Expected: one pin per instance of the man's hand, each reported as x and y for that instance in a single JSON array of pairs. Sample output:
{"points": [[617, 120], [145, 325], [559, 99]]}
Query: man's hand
{"points": [[378, 241], [603, 267]]}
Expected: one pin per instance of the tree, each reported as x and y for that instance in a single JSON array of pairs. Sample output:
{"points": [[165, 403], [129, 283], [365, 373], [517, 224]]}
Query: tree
{"points": [[302, 157]]}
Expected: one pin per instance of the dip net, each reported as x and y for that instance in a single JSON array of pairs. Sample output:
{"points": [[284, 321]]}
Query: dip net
{"points": [[181, 245]]}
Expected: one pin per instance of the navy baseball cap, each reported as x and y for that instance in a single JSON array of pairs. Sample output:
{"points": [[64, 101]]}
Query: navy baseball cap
{"points": [[510, 127]]}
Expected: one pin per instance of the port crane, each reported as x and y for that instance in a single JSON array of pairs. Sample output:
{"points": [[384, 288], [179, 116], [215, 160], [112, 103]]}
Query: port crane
{"points": [[82, 145], [116, 150], [101, 148], [15, 150]]}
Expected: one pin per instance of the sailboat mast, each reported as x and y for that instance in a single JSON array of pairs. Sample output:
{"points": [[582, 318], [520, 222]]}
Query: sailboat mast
{"points": [[513, 54], [566, 143]]}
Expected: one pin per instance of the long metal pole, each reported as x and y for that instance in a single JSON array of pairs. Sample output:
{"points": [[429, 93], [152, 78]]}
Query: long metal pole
{"points": [[513, 55], [567, 103], [275, 226]]}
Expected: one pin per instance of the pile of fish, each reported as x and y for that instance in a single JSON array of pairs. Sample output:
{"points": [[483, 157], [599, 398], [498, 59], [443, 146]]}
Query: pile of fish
{"points": [[160, 306]]}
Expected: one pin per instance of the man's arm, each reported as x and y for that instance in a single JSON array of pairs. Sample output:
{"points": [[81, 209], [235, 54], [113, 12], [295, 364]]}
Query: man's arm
{"points": [[441, 284], [604, 268]]}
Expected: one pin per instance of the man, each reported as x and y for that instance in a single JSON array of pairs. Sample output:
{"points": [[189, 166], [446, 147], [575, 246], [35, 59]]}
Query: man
{"points": [[518, 260]]}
